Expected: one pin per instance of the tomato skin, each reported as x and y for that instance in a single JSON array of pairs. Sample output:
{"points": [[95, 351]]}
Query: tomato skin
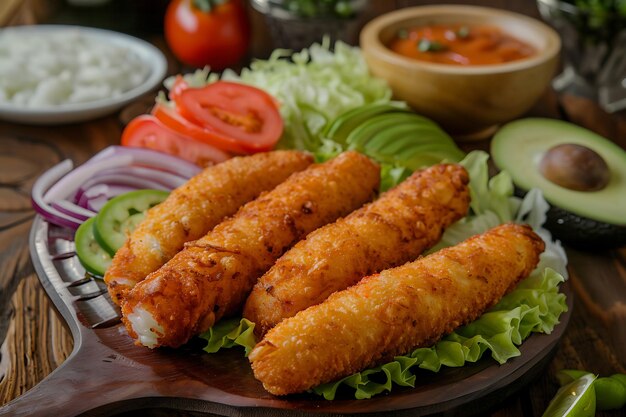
{"points": [[179, 86], [172, 119], [218, 38], [245, 113], [146, 131]]}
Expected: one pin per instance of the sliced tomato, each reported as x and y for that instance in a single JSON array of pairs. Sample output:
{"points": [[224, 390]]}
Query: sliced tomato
{"points": [[174, 120], [146, 131], [179, 86], [239, 111]]}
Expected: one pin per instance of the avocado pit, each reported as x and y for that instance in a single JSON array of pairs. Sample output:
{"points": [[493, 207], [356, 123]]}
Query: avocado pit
{"points": [[575, 167]]}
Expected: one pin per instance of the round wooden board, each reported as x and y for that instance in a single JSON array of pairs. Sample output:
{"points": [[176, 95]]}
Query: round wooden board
{"points": [[109, 374]]}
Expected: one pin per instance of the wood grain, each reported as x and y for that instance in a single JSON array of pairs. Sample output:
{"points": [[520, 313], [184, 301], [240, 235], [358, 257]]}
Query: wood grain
{"points": [[33, 320], [35, 341]]}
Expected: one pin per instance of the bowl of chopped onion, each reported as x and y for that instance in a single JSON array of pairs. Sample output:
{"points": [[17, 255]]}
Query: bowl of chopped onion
{"points": [[57, 74]]}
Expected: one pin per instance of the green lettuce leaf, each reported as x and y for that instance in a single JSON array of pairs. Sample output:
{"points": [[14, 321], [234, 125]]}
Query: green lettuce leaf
{"points": [[534, 306], [230, 333]]}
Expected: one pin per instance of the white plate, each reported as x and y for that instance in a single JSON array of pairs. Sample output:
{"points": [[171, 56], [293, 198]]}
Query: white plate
{"points": [[78, 112]]}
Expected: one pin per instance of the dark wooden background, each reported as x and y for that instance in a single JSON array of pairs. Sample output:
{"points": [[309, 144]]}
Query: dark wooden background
{"points": [[33, 339]]}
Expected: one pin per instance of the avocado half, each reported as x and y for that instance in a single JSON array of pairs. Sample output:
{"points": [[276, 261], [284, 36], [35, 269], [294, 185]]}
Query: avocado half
{"points": [[584, 219]]}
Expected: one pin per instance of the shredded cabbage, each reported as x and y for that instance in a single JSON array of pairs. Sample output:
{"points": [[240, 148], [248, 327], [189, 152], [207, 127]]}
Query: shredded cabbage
{"points": [[534, 306]]}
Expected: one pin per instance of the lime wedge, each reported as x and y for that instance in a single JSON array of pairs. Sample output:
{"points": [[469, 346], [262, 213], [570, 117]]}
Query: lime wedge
{"points": [[620, 378], [577, 399], [565, 376], [610, 393]]}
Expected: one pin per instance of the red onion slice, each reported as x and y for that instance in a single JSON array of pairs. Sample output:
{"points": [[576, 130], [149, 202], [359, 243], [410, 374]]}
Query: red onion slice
{"points": [[67, 197], [167, 179], [73, 210], [42, 184], [151, 158], [95, 197], [119, 180], [68, 185]]}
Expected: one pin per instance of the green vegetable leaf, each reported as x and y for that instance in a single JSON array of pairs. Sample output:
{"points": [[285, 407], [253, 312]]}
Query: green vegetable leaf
{"points": [[426, 45], [488, 194], [207, 5], [402, 34], [391, 175], [230, 333], [463, 32]]}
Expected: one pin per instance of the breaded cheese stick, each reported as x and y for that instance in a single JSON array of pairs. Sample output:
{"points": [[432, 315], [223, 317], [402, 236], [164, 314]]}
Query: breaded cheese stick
{"points": [[193, 209], [212, 277], [393, 230], [394, 312]]}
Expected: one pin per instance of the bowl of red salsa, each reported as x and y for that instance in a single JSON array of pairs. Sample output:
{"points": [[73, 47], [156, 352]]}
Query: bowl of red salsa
{"points": [[469, 68]]}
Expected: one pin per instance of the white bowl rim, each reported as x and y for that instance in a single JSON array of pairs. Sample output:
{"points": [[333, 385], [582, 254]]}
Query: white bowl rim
{"points": [[375, 26], [147, 52]]}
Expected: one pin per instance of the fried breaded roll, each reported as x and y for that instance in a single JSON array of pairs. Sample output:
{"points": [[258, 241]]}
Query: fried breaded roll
{"points": [[212, 277], [394, 312], [393, 230], [193, 209]]}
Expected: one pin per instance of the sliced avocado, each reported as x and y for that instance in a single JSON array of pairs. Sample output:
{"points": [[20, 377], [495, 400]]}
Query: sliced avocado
{"points": [[420, 161], [399, 136], [339, 129], [366, 131], [424, 159], [403, 141], [416, 160], [581, 218], [448, 154]]}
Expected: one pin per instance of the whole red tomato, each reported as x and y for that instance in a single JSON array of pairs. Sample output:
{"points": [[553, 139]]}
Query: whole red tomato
{"points": [[207, 32]]}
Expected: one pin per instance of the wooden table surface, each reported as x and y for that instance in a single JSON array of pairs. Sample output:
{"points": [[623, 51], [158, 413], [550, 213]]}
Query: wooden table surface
{"points": [[35, 341]]}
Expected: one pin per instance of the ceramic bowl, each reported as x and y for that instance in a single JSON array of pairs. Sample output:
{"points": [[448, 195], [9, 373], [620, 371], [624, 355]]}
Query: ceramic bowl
{"points": [[79, 112], [467, 101]]}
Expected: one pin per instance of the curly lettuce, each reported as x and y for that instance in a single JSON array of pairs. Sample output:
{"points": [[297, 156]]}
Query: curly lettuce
{"points": [[533, 307], [230, 333]]}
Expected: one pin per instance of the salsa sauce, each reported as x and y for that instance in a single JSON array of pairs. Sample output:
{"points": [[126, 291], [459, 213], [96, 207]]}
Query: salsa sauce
{"points": [[459, 44]]}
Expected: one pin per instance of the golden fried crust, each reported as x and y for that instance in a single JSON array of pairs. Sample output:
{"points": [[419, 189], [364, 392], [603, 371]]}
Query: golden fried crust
{"points": [[212, 277], [193, 209], [394, 312], [394, 229]]}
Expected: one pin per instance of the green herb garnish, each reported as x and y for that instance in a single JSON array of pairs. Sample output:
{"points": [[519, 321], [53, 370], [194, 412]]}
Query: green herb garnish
{"points": [[207, 5], [403, 34], [426, 45], [463, 32], [320, 8]]}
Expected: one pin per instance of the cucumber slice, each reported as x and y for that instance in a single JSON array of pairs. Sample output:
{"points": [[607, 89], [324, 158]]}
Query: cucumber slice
{"points": [[90, 254], [120, 215]]}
